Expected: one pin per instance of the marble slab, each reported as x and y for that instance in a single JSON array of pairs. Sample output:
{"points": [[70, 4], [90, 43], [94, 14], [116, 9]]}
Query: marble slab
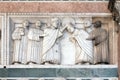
{"points": [[59, 72]]}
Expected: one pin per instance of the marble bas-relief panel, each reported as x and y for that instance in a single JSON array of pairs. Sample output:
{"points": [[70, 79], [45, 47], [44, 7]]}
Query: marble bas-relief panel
{"points": [[28, 33], [61, 41], [109, 26]]}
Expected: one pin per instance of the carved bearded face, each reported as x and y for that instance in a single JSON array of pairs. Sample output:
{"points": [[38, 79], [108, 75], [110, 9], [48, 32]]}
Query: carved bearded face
{"points": [[38, 24], [55, 22], [97, 24], [25, 23]]}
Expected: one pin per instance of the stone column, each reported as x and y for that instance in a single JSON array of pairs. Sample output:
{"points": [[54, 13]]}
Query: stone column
{"points": [[119, 55]]}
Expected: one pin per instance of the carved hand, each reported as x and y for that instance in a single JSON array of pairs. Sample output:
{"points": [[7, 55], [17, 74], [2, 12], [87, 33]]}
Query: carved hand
{"points": [[43, 35], [22, 33], [62, 29], [72, 39]]}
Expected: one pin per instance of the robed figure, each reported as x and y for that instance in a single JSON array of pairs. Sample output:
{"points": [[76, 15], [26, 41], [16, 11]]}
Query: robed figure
{"points": [[20, 43], [51, 44], [99, 37], [17, 36], [34, 48], [84, 48]]}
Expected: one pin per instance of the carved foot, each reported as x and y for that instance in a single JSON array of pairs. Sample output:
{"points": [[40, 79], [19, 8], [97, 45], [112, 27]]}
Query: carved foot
{"points": [[78, 63], [31, 63], [83, 63], [17, 63], [101, 63], [47, 63], [87, 63]]}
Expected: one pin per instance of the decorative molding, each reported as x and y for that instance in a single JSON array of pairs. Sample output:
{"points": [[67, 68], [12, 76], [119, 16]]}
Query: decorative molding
{"points": [[60, 14], [61, 66], [53, 0]]}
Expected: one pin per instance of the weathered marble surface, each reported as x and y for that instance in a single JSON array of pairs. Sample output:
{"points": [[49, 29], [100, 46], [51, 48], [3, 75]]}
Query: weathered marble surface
{"points": [[64, 41], [57, 70], [51, 7], [60, 71]]}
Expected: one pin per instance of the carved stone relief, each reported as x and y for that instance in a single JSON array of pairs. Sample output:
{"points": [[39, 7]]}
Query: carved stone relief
{"points": [[77, 42], [99, 37], [51, 44], [33, 45], [45, 40], [54, 41], [57, 41]]}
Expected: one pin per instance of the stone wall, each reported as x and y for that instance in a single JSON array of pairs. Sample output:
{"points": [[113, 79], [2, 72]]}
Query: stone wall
{"points": [[54, 7]]}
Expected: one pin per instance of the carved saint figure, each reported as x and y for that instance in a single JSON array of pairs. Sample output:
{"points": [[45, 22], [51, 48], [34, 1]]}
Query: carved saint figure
{"points": [[84, 49], [20, 43], [51, 44], [99, 37], [17, 36], [34, 44]]}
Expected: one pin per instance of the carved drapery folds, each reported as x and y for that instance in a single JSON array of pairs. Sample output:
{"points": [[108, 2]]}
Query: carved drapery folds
{"points": [[65, 41], [99, 37]]}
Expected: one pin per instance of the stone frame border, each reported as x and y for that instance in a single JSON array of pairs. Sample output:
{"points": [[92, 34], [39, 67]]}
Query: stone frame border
{"points": [[7, 16], [5, 28], [56, 1], [61, 14], [26, 15]]}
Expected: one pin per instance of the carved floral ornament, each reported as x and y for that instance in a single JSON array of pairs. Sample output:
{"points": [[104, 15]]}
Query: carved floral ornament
{"points": [[65, 41]]}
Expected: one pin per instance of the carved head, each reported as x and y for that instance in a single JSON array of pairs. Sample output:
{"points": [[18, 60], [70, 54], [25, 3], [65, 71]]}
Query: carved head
{"points": [[70, 27], [38, 24], [97, 24], [25, 23], [55, 22], [19, 30]]}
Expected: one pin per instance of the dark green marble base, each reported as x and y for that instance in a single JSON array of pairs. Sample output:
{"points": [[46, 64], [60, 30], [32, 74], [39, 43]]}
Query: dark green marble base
{"points": [[58, 72]]}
